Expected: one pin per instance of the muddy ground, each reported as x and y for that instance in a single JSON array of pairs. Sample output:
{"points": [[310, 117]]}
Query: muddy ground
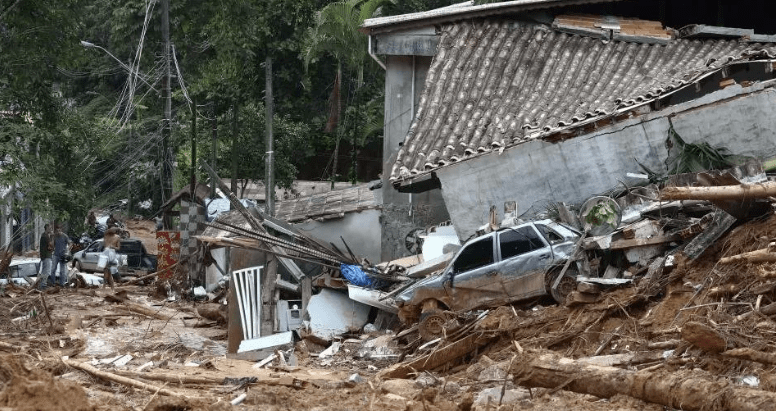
{"points": [[182, 358]]}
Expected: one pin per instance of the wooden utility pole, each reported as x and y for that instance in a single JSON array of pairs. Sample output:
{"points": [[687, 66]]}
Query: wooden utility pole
{"points": [[214, 150], [167, 95], [269, 167], [235, 138], [340, 126], [193, 149]]}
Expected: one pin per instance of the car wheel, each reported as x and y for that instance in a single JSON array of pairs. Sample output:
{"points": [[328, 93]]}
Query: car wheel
{"points": [[566, 286], [432, 325]]}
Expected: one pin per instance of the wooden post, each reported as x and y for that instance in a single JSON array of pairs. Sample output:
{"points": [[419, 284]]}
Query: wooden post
{"points": [[268, 301]]}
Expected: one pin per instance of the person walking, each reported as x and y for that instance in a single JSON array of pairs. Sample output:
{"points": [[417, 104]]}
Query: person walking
{"points": [[46, 247], [61, 243], [108, 257]]}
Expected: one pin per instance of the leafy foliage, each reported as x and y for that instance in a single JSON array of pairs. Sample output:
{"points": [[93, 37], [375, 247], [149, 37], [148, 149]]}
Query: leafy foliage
{"points": [[695, 157], [77, 133]]}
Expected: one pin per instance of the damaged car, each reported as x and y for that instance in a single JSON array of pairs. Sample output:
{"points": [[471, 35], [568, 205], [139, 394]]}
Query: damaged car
{"points": [[497, 268]]}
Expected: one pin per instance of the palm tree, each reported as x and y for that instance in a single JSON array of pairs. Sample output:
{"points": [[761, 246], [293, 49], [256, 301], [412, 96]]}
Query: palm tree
{"points": [[336, 33]]}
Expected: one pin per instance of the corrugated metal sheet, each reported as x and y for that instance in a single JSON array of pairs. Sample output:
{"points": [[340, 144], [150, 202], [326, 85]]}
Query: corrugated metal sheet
{"points": [[465, 10], [325, 206], [494, 84]]}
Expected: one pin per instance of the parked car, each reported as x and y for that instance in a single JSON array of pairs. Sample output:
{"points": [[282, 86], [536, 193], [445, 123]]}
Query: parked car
{"points": [[133, 256], [494, 269]]}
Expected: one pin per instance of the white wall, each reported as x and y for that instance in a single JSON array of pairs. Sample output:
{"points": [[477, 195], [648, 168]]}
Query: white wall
{"points": [[537, 173], [361, 230]]}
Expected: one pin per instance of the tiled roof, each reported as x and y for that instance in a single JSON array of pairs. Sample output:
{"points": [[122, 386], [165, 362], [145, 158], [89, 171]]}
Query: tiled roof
{"points": [[326, 206], [495, 84]]}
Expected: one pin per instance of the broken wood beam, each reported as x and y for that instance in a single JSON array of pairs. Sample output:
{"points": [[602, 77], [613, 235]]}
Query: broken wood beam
{"points": [[734, 192], [439, 357], [749, 354], [121, 380], [683, 389], [721, 222], [288, 286]]}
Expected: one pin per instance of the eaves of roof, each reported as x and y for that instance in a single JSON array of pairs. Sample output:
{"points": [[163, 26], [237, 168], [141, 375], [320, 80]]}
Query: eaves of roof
{"points": [[463, 11], [493, 85], [326, 206]]}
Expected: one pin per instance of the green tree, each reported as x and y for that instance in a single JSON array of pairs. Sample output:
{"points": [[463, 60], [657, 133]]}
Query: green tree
{"points": [[336, 34]]}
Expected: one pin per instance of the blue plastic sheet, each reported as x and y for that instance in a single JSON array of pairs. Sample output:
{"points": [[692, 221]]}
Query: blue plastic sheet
{"points": [[355, 275]]}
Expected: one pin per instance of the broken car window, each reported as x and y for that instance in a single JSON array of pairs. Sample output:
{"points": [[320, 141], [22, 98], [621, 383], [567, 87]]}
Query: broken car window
{"points": [[549, 234], [518, 241], [475, 255]]}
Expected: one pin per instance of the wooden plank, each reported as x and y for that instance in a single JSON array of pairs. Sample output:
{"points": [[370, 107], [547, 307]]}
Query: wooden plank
{"points": [[437, 358], [288, 286]]}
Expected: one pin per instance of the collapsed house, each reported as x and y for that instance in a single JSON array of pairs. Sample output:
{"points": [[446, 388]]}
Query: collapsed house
{"points": [[532, 102]]}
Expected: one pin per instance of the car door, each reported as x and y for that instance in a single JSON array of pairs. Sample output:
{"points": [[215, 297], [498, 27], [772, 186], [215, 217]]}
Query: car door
{"points": [[525, 257], [474, 277], [92, 256]]}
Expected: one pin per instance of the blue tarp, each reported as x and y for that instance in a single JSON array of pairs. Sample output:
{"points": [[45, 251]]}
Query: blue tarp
{"points": [[356, 276]]}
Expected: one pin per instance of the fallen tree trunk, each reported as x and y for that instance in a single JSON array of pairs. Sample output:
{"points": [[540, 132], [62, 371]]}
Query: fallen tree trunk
{"points": [[175, 379], [765, 255], [121, 380], [751, 355], [686, 390], [141, 309], [736, 192]]}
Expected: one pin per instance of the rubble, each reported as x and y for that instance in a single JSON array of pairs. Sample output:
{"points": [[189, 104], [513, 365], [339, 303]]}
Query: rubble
{"points": [[670, 309]]}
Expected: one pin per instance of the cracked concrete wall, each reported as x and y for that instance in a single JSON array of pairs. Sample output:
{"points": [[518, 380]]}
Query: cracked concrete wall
{"points": [[538, 173], [402, 212]]}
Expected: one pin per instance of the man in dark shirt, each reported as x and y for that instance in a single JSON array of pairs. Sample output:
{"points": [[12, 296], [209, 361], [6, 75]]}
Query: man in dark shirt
{"points": [[46, 246], [61, 243]]}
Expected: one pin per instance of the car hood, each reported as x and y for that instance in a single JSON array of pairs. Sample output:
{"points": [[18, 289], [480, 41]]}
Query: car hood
{"points": [[409, 293]]}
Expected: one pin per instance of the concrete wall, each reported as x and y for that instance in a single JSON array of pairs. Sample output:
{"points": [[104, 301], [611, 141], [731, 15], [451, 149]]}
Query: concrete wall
{"points": [[361, 231], [537, 173], [404, 80]]}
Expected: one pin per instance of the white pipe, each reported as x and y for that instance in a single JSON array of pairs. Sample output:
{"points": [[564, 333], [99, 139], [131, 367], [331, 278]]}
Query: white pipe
{"points": [[369, 49]]}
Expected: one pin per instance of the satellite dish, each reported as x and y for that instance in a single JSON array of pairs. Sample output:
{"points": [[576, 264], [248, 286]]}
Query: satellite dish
{"points": [[600, 215]]}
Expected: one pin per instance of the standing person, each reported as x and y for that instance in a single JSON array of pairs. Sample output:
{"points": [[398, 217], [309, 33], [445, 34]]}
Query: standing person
{"points": [[60, 250], [91, 222], [108, 257], [46, 247]]}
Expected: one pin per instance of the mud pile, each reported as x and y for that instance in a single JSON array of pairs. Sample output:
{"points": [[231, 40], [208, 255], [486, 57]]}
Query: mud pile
{"points": [[28, 388]]}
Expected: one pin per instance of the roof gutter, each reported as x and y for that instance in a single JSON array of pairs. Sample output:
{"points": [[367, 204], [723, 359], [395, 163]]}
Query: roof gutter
{"points": [[374, 56]]}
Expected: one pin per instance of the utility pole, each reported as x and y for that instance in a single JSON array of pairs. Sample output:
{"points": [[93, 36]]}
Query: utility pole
{"points": [[167, 95], [340, 125], [269, 178], [193, 150], [235, 137], [214, 123]]}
